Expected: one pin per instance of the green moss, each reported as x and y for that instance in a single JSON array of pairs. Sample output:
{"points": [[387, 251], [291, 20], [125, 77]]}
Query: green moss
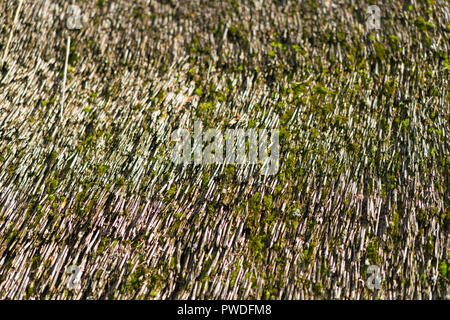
{"points": [[420, 24], [198, 92], [120, 182], [51, 186], [35, 262], [205, 179], [101, 170], [318, 289], [443, 270], [380, 51], [394, 225], [372, 251], [31, 291], [320, 89], [102, 246], [394, 43], [135, 280], [256, 245], [233, 279]]}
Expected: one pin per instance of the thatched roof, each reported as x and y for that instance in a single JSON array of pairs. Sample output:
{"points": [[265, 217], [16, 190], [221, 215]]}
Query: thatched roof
{"points": [[364, 167]]}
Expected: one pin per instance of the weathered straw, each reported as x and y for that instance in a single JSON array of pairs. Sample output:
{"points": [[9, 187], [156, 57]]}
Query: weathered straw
{"points": [[11, 32], [65, 77]]}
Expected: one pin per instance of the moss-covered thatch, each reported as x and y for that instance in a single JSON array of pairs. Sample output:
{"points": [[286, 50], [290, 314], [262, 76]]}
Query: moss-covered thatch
{"points": [[364, 141]]}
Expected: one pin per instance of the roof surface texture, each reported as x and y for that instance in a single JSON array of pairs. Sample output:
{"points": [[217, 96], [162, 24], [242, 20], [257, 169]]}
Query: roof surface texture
{"points": [[363, 121]]}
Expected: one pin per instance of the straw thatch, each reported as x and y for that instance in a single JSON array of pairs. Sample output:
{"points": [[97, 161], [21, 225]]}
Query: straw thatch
{"points": [[364, 168]]}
